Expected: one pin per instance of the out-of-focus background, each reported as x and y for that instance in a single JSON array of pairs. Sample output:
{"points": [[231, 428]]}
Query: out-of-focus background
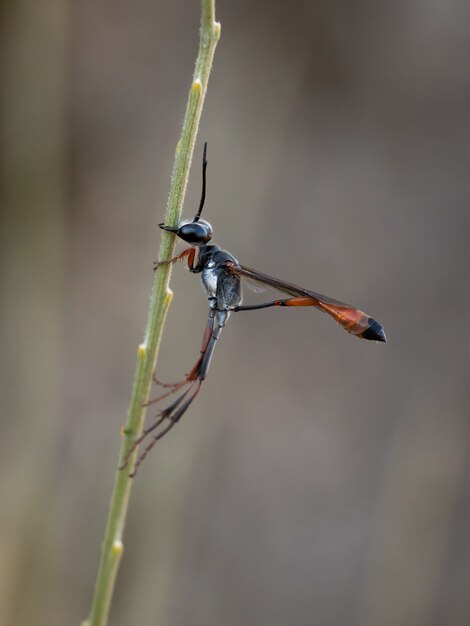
{"points": [[317, 479]]}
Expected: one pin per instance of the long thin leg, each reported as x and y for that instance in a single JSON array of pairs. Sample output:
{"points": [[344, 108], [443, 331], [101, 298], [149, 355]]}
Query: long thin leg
{"points": [[174, 418], [159, 383], [174, 411], [177, 408], [222, 317], [163, 415], [192, 375]]}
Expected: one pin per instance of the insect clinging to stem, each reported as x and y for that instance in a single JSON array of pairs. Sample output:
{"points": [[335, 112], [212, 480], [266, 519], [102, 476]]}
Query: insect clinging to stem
{"points": [[221, 276]]}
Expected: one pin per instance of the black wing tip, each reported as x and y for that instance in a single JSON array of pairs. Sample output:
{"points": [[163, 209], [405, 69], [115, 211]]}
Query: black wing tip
{"points": [[375, 332]]}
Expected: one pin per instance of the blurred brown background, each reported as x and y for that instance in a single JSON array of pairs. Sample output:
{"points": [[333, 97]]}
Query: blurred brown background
{"points": [[317, 479]]}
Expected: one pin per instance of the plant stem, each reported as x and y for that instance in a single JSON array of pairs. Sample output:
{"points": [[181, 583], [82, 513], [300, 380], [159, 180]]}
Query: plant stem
{"points": [[112, 546]]}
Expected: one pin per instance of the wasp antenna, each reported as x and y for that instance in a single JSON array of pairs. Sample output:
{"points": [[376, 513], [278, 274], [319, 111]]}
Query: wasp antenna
{"points": [[203, 194]]}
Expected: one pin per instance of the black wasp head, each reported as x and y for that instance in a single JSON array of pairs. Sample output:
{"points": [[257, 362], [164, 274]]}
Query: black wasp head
{"points": [[196, 233]]}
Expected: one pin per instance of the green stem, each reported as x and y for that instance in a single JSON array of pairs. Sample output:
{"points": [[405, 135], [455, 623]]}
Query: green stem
{"points": [[112, 547]]}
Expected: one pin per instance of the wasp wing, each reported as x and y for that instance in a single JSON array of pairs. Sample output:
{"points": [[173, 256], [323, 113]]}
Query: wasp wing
{"points": [[353, 320]]}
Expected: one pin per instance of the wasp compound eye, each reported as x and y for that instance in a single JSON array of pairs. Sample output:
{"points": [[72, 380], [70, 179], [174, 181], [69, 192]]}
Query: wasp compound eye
{"points": [[195, 233]]}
